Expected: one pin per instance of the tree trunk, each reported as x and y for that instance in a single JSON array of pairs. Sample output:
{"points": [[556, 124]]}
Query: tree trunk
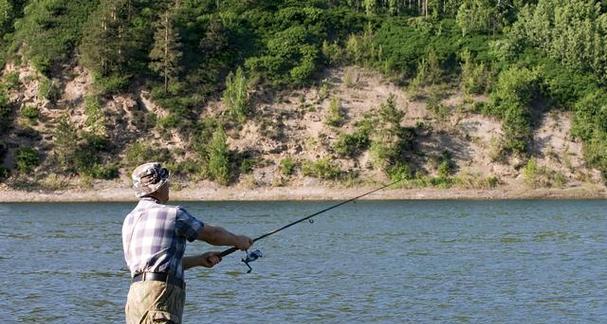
{"points": [[166, 53], [104, 56]]}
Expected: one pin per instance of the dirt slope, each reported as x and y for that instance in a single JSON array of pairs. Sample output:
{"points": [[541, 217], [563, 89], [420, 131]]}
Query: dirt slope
{"points": [[292, 124]]}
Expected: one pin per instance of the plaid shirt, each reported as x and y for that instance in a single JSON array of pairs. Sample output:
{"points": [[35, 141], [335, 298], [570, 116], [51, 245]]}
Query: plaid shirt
{"points": [[154, 237]]}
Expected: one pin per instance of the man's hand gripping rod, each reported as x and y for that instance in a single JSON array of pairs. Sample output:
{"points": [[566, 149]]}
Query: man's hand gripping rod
{"points": [[250, 257]]}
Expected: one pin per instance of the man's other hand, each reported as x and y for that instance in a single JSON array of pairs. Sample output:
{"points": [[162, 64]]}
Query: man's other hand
{"points": [[209, 259]]}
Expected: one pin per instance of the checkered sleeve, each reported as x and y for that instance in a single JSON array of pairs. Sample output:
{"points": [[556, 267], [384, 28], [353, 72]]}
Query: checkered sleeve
{"points": [[187, 225]]}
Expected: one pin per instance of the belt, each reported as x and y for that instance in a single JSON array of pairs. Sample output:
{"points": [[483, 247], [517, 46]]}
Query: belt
{"points": [[158, 276]]}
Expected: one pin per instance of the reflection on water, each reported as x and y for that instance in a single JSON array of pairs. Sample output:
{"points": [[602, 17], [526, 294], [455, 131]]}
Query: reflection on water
{"points": [[436, 261]]}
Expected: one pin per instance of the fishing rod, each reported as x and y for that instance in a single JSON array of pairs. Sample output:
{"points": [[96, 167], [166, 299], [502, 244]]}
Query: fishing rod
{"points": [[250, 257]]}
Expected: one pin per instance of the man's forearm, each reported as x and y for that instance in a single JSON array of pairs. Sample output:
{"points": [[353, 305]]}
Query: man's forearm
{"points": [[190, 261], [207, 260], [216, 235]]}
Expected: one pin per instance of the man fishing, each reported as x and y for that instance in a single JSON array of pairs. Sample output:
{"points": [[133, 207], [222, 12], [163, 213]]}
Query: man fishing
{"points": [[154, 238]]}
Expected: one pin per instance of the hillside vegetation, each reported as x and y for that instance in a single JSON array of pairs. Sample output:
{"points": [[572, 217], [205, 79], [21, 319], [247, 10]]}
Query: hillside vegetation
{"points": [[468, 93]]}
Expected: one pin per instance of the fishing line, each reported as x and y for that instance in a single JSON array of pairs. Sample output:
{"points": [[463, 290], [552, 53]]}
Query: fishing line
{"points": [[250, 257]]}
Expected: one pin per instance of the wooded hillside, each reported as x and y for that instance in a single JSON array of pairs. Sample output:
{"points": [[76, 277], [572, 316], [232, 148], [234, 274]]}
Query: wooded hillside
{"points": [[91, 88]]}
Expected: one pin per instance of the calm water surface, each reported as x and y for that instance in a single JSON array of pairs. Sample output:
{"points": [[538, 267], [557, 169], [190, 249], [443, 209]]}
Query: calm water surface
{"points": [[379, 262]]}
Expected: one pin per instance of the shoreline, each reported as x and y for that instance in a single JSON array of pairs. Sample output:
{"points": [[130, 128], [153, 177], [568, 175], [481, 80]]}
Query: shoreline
{"points": [[305, 194]]}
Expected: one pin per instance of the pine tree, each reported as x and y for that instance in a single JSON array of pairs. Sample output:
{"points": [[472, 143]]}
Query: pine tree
{"points": [[66, 143], [5, 113], [235, 97], [6, 10], [393, 7], [370, 6], [165, 54], [219, 159], [104, 44]]}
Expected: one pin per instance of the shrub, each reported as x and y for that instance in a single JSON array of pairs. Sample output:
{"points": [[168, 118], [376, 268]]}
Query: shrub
{"points": [[469, 180], [287, 166], [443, 170], [4, 172], [95, 118], [442, 182], [351, 145], [595, 151], [531, 173], [219, 157], [111, 84], [436, 107], [322, 169], [559, 180], [187, 167], [168, 122], [590, 115], [323, 91], [446, 165], [537, 176], [565, 85], [49, 90], [139, 153], [474, 77], [247, 165], [54, 182], [101, 171], [428, 72], [30, 112], [496, 150], [335, 116], [350, 77], [400, 171], [12, 81], [332, 52], [27, 159]]}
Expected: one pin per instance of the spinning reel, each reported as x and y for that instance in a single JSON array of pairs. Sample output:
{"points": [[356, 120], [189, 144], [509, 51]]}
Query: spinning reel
{"points": [[250, 257]]}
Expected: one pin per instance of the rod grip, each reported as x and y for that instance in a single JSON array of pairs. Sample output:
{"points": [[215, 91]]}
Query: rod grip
{"points": [[228, 251]]}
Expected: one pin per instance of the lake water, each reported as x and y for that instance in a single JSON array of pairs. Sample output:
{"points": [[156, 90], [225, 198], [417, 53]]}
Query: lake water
{"points": [[378, 262]]}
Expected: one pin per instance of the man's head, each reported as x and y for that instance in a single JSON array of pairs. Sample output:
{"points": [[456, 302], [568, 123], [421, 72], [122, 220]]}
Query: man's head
{"points": [[151, 180]]}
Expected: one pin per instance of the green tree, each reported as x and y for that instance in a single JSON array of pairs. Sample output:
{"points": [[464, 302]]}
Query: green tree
{"points": [[166, 53], [6, 12], [219, 157], [291, 55], [389, 140], [473, 79], [27, 159], [511, 101], [370, 6], [65, 143], [236, 96], [49, 29], [477, 16], [104, 43], [95, 118], [572, 32], [5, 113]]}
